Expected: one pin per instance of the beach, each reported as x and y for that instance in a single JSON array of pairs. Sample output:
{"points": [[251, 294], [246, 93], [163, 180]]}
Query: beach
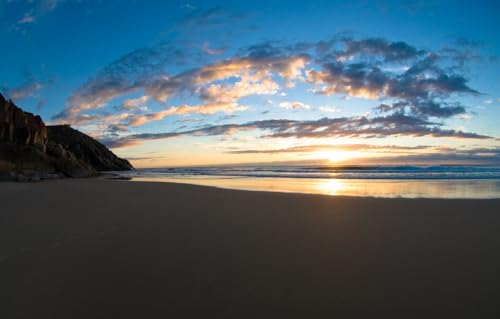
{"points": [[97, 248]]}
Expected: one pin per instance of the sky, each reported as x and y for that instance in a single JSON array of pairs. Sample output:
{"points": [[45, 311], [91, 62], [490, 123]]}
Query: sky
{"points": [[176, 83]]}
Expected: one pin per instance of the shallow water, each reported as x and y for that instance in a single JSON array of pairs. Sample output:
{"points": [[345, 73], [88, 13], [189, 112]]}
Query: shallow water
{"points": [[374, 181]]}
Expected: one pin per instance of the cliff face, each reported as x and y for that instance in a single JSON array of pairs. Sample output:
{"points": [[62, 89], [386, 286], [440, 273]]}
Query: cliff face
{"points": [[31, 150], [19, 127], [86, 148]]}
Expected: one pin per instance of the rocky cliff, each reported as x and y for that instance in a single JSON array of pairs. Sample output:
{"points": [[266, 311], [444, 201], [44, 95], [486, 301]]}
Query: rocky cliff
{"points": [[86, 148], [30, 150], [19, 127]]}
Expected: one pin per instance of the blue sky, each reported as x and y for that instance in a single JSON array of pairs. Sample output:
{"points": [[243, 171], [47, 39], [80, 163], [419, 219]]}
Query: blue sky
{"points": [[169, 83]]}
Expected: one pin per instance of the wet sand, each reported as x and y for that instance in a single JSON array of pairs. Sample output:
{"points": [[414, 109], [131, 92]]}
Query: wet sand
{"points": [[117, 249]]}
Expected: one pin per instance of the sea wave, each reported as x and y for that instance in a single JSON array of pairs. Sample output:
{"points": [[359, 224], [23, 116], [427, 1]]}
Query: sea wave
{"points": [[339, 172]]}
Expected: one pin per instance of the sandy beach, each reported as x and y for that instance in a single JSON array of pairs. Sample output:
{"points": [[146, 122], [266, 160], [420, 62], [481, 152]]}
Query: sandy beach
{"points": [[97, 248]]}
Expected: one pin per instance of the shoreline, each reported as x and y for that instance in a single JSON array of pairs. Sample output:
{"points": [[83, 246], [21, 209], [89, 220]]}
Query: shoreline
{"points": [[111, 248], [131, 180], [359, 188], [122, 179]]}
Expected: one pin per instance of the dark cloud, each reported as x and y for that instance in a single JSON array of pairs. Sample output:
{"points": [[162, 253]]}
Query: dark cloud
{"points": [[378, 47], [420, 87], [114, 130], [141, 158], [467, 43], [382, 126], [263, 50], [330, 147], [463, 50], [454, 156], [424, 108], [145, 61], [392, 125]]}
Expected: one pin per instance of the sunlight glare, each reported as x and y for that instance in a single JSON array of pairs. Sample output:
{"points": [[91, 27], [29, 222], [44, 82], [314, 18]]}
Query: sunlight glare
{"points": [[331, 187], [334, 156]]}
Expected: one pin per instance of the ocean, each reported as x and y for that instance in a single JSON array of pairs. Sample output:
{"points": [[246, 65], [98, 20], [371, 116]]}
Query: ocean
{"points": [[374, 181]]}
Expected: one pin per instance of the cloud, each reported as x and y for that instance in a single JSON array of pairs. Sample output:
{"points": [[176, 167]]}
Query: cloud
{"points": [[99, 119], [254, 75], [418, 82], [362, 126], [210, 108], [424, 108], [134, 73], [27, 89], [329, 109], [294, 105], [248, 84], [117, 128], [132, 104], [420, 89], [27, 18], [413, 88], [392, 125], [128, 74], [200, 19], [188, 6], [474, 156], [465, 117], [30, 88], [329, 147], [468, 43], [387, 50], [206, 48], [462, 51], [34, 10], [203, 17]]}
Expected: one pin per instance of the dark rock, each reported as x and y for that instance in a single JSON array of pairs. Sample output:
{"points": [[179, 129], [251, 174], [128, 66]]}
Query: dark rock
{"points": [[26, 158], [28, 178], [31, 151], [86, 148], [55, 149], [19, 127]]}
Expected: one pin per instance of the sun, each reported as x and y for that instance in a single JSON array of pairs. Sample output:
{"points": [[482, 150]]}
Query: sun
{"points": [[334, 156]]}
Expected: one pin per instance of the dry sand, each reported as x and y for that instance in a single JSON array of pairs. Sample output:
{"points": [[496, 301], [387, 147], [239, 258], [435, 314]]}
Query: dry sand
{"points": [[116, 249]]}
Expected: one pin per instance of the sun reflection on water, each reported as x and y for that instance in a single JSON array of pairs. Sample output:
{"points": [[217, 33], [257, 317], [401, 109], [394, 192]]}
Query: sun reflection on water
{"points": [[330, 187], [351, 187]]}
